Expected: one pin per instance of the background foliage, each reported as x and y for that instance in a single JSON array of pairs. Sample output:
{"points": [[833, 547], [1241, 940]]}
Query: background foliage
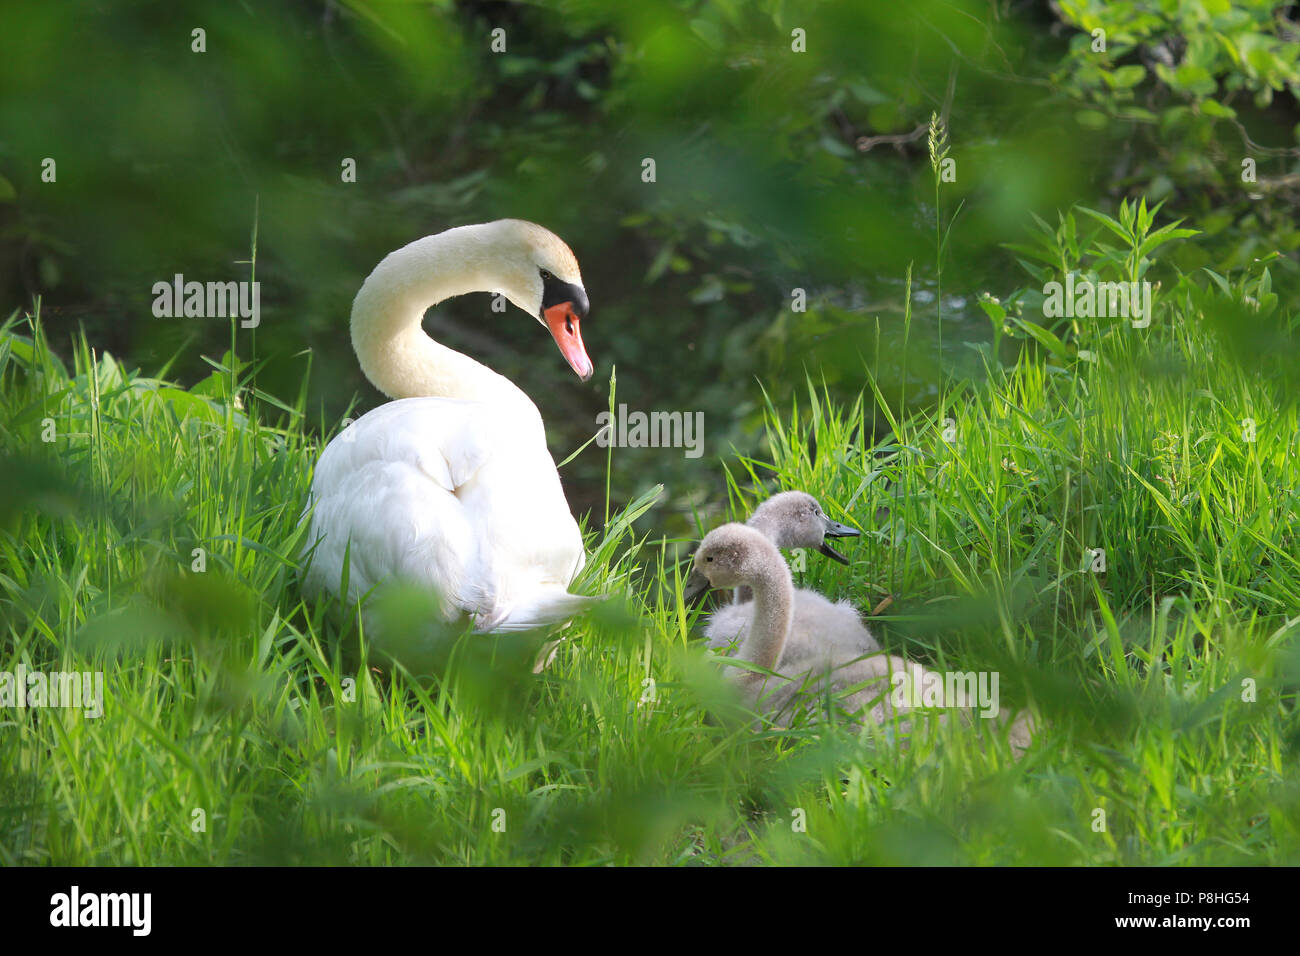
{"points": [[771, 175]]}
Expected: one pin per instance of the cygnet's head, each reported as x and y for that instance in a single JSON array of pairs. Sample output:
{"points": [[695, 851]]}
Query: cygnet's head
{"points": [[794, 519], [733, 555]]}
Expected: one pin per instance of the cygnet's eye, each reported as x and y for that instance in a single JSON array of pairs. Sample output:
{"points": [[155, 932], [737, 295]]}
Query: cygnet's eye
{"points": [[708, 557]]}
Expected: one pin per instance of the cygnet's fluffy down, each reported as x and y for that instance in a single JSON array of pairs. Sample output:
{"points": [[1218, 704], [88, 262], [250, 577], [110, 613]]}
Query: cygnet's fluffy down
{"points": [[822, 655], [823, 633]]}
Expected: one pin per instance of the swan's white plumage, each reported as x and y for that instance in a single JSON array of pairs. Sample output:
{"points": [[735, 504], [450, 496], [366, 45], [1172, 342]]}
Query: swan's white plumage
{"points": [[459, 497], [454, 491]]}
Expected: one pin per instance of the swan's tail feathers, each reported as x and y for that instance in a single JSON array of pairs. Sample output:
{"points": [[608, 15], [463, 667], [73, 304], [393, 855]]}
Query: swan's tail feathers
{"points": [[541, 610]]}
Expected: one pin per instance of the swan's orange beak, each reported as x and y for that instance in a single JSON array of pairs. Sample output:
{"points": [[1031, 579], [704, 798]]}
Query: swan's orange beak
{"points": [[563, 322]]}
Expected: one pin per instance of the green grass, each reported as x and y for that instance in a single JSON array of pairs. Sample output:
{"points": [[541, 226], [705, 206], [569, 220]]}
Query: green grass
{"points": [[243, 726]]}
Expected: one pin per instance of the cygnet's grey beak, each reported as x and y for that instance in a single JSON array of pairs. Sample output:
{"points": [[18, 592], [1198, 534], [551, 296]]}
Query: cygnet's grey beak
{"points": [[836, 530], [694, 587]]}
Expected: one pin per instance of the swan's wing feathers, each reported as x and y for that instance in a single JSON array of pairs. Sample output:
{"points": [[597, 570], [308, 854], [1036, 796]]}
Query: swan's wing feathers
{"points": [[453, 448], [458, 496], [381, 519], [449, 441]]}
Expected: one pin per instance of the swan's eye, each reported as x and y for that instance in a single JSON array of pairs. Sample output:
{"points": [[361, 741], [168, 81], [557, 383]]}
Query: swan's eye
{"points": [[546, 276]]}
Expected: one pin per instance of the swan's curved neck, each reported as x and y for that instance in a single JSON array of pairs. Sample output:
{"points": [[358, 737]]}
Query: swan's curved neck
{"points": [[773, 613], [397, 356]]}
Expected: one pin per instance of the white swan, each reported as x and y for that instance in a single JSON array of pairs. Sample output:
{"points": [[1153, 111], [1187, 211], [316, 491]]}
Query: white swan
{"points": [[451, 486], [811, 651]]}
